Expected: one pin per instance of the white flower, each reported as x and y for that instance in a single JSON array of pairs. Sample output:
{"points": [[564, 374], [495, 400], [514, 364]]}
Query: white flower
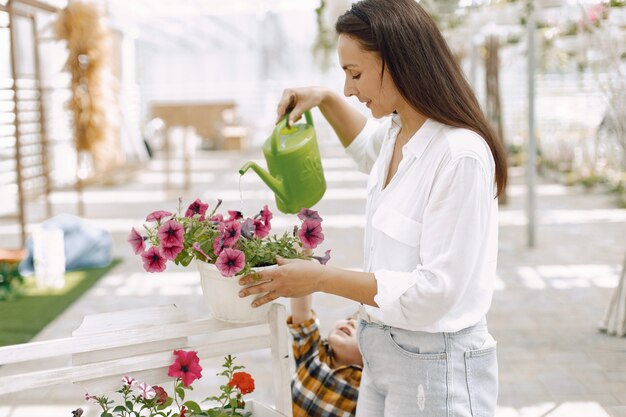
{"points": [[146, 391], [129, 381]]}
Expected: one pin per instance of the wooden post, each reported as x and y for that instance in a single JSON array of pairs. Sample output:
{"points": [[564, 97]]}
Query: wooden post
{"points": [[42, 120], [18, 145]]}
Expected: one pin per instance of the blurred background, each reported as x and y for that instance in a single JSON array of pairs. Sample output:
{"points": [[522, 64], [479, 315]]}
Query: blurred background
{"points": [[112, 109]]}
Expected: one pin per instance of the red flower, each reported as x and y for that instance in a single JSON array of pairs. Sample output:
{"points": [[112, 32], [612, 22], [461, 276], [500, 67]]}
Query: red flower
{"points": [[230, 262], [197, 207], [243, 382], [171, 233], [310, 234], [152, 260], [234, 215], [266, 215], [161, 395], [183, 410], [186, 366]]}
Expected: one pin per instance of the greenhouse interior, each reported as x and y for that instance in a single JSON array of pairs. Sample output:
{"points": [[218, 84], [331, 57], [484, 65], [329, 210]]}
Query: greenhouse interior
{"points": [[149, 162]]}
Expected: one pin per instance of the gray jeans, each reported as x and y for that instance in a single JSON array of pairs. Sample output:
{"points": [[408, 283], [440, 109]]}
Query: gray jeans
{"points": [[409, 373]]}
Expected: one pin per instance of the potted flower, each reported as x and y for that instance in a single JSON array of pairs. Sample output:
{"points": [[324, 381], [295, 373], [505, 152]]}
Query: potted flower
{"points": [[223, 247], [143, 400]]}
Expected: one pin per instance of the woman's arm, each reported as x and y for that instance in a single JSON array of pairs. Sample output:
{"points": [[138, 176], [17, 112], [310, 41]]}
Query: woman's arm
{"points": [[298, 278], [344, 119]]}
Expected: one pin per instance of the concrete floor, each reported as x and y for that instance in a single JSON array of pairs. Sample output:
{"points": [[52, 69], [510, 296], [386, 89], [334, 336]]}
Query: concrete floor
{"points": [[553, 361]]}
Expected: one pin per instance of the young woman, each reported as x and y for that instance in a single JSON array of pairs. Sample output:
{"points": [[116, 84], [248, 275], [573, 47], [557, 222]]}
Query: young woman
{"points": [[435, 168]]}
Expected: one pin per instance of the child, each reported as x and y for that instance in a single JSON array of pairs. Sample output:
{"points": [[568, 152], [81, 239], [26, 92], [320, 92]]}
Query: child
{"points": [[328, 371]]}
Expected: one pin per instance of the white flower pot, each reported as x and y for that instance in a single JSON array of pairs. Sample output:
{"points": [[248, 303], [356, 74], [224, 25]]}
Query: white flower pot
{"points": [[221, 295]]}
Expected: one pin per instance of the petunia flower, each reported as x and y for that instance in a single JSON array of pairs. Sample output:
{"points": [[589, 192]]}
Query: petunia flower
{"points": [[266, 215], [186, 367], [146, 391], [218, 218], [197, 248], [262, 229], [136, 241], [160, 395], [310, 234], [308, 214], [183, 412], [156, 216], [230, 262], [231, 233], [243, 382], [171, 252], [197, 207], [218, 245], [234, 215], [323, 259], [248, 228], [129, 381], [171, 233], [152, 260]]}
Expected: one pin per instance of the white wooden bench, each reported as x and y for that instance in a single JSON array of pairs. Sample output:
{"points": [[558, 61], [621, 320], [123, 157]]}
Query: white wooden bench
{"points": [[140, 343]]}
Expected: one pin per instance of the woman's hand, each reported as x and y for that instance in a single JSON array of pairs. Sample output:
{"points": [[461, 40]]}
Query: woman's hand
{"points": [[292, 278], [298, 100]]}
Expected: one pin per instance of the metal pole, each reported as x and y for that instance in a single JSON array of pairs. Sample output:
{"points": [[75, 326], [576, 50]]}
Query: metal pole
{"points": [[531, 162], [18, 144]]}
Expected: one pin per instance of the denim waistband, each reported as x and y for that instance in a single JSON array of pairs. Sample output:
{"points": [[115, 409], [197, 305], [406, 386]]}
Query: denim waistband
{"points": [[363, 315]]}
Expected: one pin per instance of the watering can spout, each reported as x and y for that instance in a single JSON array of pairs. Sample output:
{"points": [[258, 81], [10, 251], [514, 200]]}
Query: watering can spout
{"points": [[275, 185]]}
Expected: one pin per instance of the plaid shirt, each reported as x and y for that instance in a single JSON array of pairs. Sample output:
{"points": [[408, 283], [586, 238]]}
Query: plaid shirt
{"points": [[319, 389]]}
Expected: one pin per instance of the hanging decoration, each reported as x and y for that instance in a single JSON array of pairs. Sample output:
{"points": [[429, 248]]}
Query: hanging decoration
{"points": [[92, 102]]}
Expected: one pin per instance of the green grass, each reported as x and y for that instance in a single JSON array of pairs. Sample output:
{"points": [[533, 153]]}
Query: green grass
{"points": [[22, 318]]}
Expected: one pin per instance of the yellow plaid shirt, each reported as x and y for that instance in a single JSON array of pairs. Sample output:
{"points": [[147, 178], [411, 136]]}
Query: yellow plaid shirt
{"points": [[319, 388]]}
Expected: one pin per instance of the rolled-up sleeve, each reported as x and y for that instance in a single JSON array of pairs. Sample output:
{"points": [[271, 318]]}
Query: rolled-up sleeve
{"points": [[365, 148], [455, 229]]}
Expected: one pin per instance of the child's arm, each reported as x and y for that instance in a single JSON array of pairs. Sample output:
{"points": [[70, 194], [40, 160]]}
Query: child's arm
{"points": [[301, 309]]}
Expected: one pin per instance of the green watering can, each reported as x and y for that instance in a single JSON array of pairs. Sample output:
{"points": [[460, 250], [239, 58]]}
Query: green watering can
{"points": [[293, 158]]}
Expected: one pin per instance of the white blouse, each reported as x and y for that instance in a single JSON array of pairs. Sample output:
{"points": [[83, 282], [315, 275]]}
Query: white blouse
{"points": [[431, 236]]}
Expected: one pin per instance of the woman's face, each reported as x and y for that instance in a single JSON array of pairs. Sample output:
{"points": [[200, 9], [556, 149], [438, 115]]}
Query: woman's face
{"points": [[363, 70]]}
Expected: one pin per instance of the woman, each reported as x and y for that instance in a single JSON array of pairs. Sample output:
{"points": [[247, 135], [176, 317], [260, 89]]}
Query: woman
{"points": [[436, 169]]}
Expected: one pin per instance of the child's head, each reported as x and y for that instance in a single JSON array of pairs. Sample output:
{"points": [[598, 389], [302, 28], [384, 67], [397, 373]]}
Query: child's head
{"points": [[342, 341]]}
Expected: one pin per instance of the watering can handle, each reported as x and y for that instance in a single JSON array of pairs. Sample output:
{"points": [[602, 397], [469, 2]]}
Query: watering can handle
{"points": [[282, 124]]}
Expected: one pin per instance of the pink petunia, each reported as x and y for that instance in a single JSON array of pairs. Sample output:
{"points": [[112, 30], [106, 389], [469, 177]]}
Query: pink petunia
{"points": [[171, 252], [261, 229], [197, 207], [197, 248], [218, 218], [146, 391], [136, 241], [231, 233], [171, 233], [156, 216], [310, 234], [234, 215], [186, 367], [152, 260], [308, 214], [266, 215], [230, 262], [218, 245], [323, 259]]}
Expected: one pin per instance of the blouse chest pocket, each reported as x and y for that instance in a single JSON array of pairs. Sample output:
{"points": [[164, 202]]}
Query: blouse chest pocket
{"points": [[397, 226]]}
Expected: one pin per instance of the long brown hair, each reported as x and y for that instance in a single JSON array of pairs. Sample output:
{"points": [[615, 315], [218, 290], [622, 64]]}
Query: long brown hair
{"points": [[422, 67]]}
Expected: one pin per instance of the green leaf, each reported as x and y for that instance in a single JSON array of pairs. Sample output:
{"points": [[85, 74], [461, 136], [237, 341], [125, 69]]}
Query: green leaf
{"points": [[193, 406], [129, 405], [180, 391], [119, 409]]}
